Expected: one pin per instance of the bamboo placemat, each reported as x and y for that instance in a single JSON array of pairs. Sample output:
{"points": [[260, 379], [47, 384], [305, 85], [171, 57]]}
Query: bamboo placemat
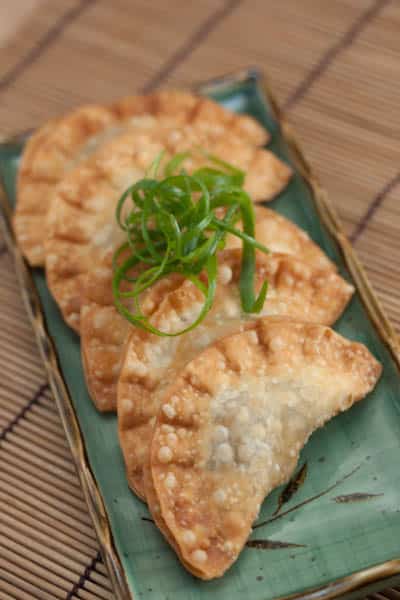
{"points": [[334, 68]]}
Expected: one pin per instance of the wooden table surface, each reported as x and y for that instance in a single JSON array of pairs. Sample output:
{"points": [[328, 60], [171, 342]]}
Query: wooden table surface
{"points": [[335, 68]]}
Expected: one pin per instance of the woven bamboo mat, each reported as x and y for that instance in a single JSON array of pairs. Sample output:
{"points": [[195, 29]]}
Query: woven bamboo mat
{"points": [[334, 68]]}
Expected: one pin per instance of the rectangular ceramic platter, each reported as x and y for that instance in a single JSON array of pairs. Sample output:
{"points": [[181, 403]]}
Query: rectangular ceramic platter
{"points": [[324, 540]]}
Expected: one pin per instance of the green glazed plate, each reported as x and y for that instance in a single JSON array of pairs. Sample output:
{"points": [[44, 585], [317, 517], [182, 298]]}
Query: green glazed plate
{"points": [[339, 533]]}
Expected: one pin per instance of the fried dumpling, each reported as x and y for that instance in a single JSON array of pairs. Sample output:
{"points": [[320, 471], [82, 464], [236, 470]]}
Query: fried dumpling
{"points": [[104, 331], [151, 362], [231, 426], [81, 220], [57, 146], [282, 235]]}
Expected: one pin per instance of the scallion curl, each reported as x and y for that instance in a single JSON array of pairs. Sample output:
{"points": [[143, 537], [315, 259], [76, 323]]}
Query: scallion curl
{"points": [[172, 226]]}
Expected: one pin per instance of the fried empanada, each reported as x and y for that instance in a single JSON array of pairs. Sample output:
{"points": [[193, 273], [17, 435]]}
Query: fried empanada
{"points": [[57, 146], [231, 427], [151, 362], [104, 330], [81, 220]]}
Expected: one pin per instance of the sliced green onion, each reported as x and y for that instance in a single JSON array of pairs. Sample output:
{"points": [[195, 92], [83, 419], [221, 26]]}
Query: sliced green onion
{"points": [[172, 226]]}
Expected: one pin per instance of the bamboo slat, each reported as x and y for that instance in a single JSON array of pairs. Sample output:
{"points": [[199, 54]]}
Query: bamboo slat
{"points": [[333, 66], [287, 39], [380, 242], [124, 45], [12, 17], [350, 120], [47, 539], [27, 29]]}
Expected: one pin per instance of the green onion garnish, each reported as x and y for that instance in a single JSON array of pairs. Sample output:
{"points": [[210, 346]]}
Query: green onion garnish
{"points": [[172, 226]]}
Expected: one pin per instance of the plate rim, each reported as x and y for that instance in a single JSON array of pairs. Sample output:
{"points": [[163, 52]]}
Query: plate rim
{"points": [[358, 581]]}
